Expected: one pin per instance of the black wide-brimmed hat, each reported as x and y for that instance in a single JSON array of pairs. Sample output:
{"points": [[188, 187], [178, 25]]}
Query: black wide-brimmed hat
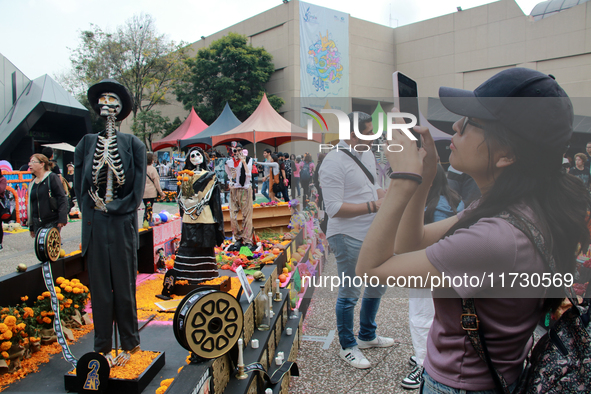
{"points": [[110, 86]]}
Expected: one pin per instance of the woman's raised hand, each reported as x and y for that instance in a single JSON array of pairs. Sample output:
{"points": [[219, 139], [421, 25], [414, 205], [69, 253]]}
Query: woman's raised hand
{"points": [[421, 161]]}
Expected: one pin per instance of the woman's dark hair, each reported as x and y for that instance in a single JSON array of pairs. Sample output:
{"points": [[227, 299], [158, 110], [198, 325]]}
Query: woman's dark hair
{"points": [[440, 187], [190, 166], [536, 179], [149, 159], [274, 157], [292, 157], [308, 158]]}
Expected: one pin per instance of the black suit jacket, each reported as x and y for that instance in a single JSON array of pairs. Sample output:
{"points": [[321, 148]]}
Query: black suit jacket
{"points": [[133, 157]]}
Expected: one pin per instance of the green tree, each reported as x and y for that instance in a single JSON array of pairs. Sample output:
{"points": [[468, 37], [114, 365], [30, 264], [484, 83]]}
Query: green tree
{"points": [[149, 123], [229, 70], [135, 54]]}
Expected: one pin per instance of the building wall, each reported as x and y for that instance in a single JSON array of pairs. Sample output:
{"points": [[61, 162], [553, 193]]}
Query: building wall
{"points": [[6, 70], [463, 49]]}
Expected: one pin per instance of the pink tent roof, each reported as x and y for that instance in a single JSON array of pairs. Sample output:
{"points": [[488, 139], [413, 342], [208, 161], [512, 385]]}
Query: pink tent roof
{"points": [[264, 125], [192, 126]]}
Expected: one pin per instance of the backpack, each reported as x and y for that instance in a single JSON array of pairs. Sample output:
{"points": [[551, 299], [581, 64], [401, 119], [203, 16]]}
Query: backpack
{"points": [[287, 168], [305, 173], [561, 359]]}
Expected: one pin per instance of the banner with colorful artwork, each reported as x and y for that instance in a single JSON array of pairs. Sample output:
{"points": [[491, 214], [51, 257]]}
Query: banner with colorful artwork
{"points": [[324, 52]]}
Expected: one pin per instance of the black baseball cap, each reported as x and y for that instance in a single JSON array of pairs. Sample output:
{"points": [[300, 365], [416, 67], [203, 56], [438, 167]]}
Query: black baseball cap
{"points": [[525, 101]]}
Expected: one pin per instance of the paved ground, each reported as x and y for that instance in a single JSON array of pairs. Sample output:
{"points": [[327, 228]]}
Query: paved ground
{"points": [[323, 371]]}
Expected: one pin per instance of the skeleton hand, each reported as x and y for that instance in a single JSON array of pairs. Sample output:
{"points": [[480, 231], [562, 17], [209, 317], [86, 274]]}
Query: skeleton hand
{"points": [[100, 204]]}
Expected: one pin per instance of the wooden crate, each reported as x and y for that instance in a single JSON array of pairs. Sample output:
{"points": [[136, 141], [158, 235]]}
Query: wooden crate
{"points": [[277, 217]]}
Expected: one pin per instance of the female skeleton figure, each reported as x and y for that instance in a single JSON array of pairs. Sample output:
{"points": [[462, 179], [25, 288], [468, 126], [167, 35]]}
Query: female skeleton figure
{"points": [[203, 222]]}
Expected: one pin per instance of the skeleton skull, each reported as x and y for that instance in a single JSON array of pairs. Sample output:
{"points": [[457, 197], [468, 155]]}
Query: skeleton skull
{"points": [[110, 104], [196, 158]]}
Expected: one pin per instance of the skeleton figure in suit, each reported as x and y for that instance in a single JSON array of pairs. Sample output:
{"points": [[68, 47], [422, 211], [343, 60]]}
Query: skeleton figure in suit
{"points": [[109, 183]]}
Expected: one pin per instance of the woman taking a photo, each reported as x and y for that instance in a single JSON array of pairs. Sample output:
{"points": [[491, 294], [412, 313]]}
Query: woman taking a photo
{"points": [[48, 205], [514, 131]]}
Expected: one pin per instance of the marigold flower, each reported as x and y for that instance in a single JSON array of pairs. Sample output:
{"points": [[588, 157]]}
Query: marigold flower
{"points": [[74, 281], [7, 334], [86, 289], [46, 294], [61, 307], [58, 290], [76, 306], [43, 313], [69, 301], [46, 320], [4, 310], [21, 326], [76, 290], [6, 345], [60, 297], [25, 298], [10, 321], [4, 355], [68, 289], [40, 298], [3, 327], [28, 312], [60, 280]]}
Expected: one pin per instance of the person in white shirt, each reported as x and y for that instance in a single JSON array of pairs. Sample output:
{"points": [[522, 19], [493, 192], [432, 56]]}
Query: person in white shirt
{"points": [[239, 170], [351, 200]]}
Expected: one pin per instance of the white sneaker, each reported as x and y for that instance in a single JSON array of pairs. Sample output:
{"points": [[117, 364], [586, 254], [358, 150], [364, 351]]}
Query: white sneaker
{"points": [[354, 357], [413, 379], [412, 361], [377, 342]]}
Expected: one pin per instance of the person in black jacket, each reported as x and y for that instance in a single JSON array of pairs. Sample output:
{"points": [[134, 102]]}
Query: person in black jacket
{"points": [[45, 185]]}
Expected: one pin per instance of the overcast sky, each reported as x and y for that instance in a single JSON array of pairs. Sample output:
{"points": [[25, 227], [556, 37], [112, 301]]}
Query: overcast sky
{"points": [[36, 34]]}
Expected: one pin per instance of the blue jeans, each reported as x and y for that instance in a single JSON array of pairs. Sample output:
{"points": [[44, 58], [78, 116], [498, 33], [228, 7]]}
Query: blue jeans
{"points": [[265, 189], [431, 386], [346, 251]]}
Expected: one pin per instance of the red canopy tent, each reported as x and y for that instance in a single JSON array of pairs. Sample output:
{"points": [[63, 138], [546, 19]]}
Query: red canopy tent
{"points": [[264, 125], [192, 126]]}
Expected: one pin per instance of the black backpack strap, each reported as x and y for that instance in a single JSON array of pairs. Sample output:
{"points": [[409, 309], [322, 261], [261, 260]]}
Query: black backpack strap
{"points": [[360, 164], [470, 324]]}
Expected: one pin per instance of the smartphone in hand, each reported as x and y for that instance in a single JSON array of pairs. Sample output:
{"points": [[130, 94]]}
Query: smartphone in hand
{"points": [[406, 96]]}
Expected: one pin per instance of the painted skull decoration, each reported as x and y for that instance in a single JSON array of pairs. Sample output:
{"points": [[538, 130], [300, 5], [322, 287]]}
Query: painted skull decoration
{"points": [[196, 158], [109, 104]]}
